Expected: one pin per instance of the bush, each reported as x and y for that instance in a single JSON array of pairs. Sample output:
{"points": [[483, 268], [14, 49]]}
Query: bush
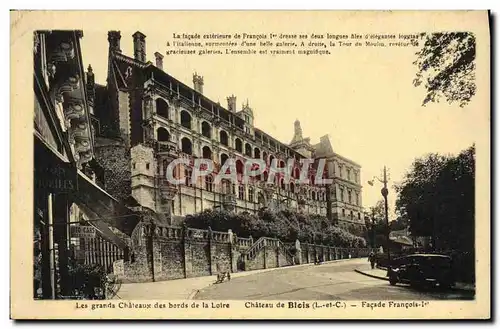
{"points": [[286, 225], [87, 281]]}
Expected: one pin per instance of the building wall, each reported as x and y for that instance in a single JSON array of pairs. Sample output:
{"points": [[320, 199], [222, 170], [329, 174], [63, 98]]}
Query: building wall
{"points": [[146, 97], [114, 158], [177, 253]]}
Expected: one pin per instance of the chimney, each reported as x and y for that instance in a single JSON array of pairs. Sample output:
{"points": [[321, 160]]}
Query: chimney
{"points": [[159, 60], [114, 41], [90, 89], [139, 46], [231, 103], [198, 83]]}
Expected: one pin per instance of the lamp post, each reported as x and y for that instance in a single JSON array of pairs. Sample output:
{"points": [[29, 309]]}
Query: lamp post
{"points": [[385, 193]]}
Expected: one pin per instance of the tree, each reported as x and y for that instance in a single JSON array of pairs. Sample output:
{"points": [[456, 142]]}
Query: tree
{"points": [[437, 197], [378, 211], [398, 224], [446, 66]]}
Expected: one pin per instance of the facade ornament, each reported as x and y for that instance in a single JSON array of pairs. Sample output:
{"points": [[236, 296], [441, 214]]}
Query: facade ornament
{"points": [[69, 85], [51, 70], [74, 110], [128, 72], [63, 53]]}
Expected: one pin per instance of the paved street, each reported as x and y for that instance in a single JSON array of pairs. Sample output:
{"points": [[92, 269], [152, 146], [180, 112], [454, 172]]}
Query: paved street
{"points": [[335, 280]]}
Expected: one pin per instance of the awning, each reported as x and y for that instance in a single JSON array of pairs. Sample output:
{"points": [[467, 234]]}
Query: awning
{"points": [[404, 240], [103, 209], [102, 227]]}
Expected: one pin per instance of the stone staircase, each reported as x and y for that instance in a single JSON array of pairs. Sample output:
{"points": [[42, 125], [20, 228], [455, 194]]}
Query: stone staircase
{"points": [[267, 253]]}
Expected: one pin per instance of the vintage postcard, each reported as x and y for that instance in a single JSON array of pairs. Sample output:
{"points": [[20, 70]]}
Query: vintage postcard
{"points": [[250, 165]]}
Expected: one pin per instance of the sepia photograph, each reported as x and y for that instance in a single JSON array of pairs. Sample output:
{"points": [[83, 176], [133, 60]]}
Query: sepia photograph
{"points": [[188, 161]]}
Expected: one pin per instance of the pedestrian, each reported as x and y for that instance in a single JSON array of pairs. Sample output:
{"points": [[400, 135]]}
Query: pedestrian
{"points": [[371, 259]]}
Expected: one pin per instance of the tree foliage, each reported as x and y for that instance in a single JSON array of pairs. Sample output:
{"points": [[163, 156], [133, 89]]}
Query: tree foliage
{"points": [[286, 225], [446, 67], [437, 196]]}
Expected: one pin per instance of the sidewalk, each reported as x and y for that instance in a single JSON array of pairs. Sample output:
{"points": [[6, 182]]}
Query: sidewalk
{"points": [[381, 274], [183, 289]]}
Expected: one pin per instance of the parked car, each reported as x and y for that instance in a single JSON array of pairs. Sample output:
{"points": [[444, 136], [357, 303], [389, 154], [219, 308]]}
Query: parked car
{"points": [[422, 270]]}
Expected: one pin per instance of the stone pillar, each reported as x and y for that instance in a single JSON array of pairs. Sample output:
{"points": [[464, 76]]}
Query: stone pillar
{"points": [[188, 261], [157, 256], [277, 251], [265, 253], [214, 258], [233, 255], [298, 252]]}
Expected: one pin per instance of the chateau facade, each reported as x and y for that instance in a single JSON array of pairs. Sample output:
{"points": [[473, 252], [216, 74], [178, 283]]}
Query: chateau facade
{"points": [[144, 119]]}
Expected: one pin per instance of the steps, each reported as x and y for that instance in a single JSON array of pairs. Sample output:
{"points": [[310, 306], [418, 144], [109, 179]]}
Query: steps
{"points": [[275, 245]]}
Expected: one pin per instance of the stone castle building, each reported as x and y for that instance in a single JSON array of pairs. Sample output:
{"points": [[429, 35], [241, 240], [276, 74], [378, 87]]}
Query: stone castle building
{"points": [[144, 118]]}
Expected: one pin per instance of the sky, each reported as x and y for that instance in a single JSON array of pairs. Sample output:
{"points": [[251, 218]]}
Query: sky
{"points": [[363, 99]]}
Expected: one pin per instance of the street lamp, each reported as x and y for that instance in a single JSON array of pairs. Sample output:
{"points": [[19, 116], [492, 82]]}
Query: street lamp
{"points": [[384, 192]]}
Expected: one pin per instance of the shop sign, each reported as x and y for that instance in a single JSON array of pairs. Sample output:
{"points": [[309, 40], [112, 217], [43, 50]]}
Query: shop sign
{"points": [[78, 231], [52, 174]]}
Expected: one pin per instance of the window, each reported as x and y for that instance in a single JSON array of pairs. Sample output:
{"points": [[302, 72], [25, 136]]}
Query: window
{"points": [[187, 177], [185, 119], [342, 194], [248, 150], [163, 135], [250, 194], [206, 130], [161, 108], [247, 119], [256, 153], [357, 198], [238, 145], [147, 166], [343, 212], [226, 186], [206, 152], [352, 215], [223, 138], [209, 185], [359, 216], [349, 196], [223, 158], [186, 146], [133, 165], [348, 174], [241, 192]]}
